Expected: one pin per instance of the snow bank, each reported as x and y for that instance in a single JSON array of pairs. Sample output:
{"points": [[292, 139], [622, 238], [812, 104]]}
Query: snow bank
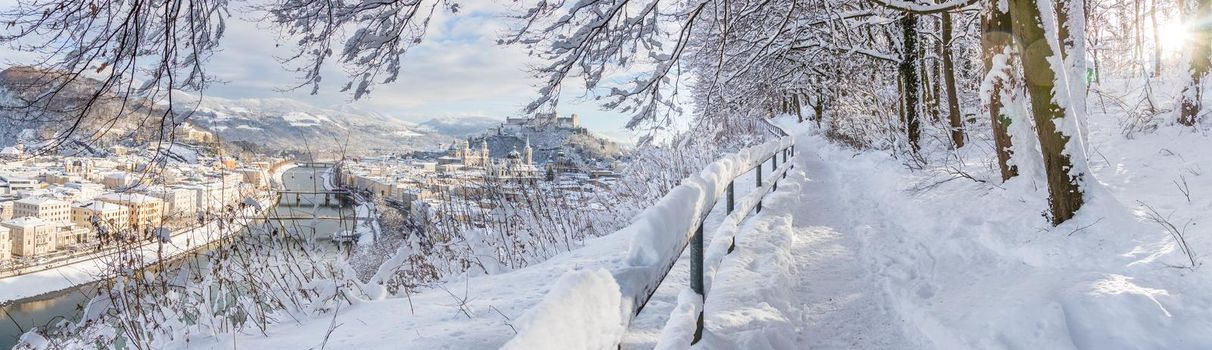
{"points": [[582, 311], [1116, 313], [683, 321]]}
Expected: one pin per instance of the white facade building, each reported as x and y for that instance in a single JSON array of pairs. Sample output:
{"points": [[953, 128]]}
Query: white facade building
{"points": [[31, 236], [6, 245], [178, 202], [48, 209]]}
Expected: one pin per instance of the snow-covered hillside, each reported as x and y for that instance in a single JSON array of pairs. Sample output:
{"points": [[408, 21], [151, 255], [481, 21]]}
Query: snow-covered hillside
{"points": [[267, 125], [461, 126], [48, 124]]}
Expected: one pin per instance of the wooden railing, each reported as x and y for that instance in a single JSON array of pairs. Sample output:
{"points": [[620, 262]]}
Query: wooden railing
{"points": [[658, 238], [697, 249]]}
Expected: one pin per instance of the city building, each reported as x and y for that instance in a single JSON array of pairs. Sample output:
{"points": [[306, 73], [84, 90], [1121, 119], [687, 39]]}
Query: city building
{"points": [[253, 176], [193, 134], [146, 212], [6, 209], [61, 178], [118, 180], [516, 166], [108, 214], [216, 194], [67, 235], [473, 158], [16, 185], [30, 235], [6, 245], [79, 167], [87, 190], [48, 209], [178, 202]]}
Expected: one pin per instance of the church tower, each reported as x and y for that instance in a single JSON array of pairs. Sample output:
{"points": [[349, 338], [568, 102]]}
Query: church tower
{"points": [[528, 153], [484, 152], [466, 154]]}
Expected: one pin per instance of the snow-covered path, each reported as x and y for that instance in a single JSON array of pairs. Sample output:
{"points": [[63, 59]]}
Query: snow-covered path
{"points": [[796, 281], [857, 251]]}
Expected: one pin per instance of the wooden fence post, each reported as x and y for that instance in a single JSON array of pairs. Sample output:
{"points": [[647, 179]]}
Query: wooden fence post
{"points": [[759, 186], [731, 206], [774, 168], [696, 278], [787, 154]]}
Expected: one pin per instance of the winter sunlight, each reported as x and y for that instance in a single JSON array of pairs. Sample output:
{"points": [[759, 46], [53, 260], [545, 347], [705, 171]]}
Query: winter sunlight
{"points": [[1176, 36]]}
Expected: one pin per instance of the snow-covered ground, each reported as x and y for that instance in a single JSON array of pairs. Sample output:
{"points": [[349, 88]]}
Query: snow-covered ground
{"points": [[856, 251], [796, 281]]}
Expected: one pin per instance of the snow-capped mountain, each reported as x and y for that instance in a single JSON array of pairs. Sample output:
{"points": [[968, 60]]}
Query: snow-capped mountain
{"points": [[259, 124], [32, 117], [293, 125], [461, 126]]}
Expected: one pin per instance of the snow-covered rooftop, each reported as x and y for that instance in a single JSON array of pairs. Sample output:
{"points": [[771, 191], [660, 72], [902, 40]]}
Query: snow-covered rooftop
{"points": [[39, 201], [128, 197], [25, 221]]}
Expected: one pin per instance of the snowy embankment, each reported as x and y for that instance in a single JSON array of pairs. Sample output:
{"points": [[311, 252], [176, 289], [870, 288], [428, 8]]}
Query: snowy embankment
{"points": [[870, 254], [597, 287], [327, 178], [367, 230]]}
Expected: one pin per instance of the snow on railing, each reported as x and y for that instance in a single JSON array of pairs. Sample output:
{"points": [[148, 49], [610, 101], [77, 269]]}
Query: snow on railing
{"points": [[659, 236], [580, 312], [687, 315]]}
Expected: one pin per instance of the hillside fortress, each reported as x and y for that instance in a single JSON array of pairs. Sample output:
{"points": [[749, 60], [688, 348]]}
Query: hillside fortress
{"points": [[523, 147], [514, 126]]}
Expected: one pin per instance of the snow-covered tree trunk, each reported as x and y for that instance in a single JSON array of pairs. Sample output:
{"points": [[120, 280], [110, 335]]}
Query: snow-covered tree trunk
{"points": [[1071, 31], [818, 110], [1043, 68], [996, 32], [910, 80], [953, 109], [1201, 64]]}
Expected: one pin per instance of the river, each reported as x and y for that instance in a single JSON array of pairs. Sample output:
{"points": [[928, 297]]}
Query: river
{"points": [[48, 309]]}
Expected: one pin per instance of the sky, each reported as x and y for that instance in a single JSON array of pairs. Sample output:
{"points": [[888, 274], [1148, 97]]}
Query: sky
{"points": [[458, 71]]}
